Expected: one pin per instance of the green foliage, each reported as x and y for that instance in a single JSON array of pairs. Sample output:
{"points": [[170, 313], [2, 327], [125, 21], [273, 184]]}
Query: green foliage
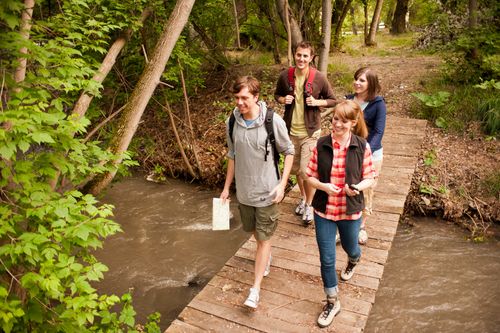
{"points": [[49, 228], [430, 157], [342, 75], [433, 106], [436, 100], [426, 189], [423, 12], [468, 104]]}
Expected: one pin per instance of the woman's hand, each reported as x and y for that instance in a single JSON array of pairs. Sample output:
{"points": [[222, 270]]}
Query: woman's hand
{"points": [[331, 189], [351, 190]]}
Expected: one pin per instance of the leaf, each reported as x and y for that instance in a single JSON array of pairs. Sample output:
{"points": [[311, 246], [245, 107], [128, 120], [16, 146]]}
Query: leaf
{"points": [[441, 122], [40, 137], [61, 211], [7, 150], [24, 146]]}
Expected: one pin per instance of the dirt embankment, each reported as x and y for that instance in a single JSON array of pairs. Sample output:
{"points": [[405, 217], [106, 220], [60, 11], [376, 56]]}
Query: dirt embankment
{"points": [[449, 175]]}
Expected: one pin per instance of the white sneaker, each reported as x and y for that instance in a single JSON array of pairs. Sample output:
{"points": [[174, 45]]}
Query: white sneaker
{"points": [[337, 238], [299, 210], [268, 267], [330, 310], [308, 215], [252, 299], [348, 272]]}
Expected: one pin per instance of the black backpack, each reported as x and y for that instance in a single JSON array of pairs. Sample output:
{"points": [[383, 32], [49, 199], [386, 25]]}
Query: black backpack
{"points": [[270, 137]]}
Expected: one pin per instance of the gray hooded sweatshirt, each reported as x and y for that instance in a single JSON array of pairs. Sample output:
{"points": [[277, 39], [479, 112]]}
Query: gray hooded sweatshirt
{"points": [[255, 177]]}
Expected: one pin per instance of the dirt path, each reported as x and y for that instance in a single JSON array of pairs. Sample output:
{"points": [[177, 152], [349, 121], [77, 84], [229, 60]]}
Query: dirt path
{"points": [[399, 76]]}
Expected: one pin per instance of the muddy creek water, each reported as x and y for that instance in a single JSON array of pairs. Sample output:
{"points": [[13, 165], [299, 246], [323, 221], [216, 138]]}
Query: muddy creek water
{"points": [[434, 281]]}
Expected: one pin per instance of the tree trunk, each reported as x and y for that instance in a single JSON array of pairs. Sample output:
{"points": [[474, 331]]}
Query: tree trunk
{"points": [[294, 29], [353, 19], [267, 9], [326, 32], [145, 88], [338, 28], [365, 26], [398, 24], [237, 24], [83, 102], [370, 41], [25, 29], [472, 25]]}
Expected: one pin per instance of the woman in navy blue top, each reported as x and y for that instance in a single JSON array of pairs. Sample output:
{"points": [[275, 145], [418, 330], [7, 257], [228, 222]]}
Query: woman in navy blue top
{"points": [[366, 88]]}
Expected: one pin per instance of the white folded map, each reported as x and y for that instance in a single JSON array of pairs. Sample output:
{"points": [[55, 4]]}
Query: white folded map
{"points": [[220, 215]]}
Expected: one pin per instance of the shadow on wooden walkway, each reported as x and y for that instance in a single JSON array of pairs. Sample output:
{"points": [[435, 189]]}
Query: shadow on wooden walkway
{"points": [[292, 295]]}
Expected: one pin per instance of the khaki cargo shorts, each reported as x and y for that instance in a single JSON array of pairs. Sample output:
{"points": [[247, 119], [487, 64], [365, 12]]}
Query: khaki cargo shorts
{"points": [[303, 152], [260, 220]]}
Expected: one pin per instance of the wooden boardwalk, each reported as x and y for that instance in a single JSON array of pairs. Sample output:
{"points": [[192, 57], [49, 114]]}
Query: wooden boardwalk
{"points": [[292, 295]]}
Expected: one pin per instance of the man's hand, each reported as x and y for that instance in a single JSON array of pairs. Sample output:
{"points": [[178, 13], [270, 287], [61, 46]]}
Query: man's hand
{"points": [[224, 196], [311, 101], [279, 191], [289, 99]]}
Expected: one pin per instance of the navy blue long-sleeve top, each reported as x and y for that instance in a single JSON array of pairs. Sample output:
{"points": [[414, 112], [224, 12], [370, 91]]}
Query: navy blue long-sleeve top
{"points": [[375, 114]]}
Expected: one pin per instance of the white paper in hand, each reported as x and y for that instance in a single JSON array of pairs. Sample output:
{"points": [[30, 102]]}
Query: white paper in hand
{"points": [[220, 215]]}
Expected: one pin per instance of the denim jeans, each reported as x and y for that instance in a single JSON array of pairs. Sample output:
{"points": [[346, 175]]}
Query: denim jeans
{"points": [[326, 231]]}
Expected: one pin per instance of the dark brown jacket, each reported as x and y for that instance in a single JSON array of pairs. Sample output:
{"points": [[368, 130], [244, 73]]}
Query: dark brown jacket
{"points": [[312, 115]]}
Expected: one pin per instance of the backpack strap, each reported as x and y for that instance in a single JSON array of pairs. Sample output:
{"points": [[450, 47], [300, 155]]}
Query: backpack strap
{"points": [[272, 140], [232, 119], [308, 88], [309, 85], [291, 80]]}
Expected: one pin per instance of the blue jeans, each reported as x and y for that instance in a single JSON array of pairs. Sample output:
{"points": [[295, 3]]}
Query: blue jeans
{"points": [[326, 231]]}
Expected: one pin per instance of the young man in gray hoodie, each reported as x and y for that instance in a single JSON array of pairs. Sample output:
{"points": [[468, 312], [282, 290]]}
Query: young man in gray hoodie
{"points": [[258, 188]]}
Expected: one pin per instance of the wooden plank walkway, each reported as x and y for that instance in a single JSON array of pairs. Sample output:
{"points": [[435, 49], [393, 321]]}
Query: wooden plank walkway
{"points": [[291, 296]]}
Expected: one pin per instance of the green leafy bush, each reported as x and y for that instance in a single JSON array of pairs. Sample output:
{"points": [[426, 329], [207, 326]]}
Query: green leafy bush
{"points": [[49, 228]]}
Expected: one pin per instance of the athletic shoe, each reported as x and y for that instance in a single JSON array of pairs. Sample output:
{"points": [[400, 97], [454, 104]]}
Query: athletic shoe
{"points": [[362, 237], [308, 215], [330, 310], [299, 210], [268, 267], [253, 298], [348, 272]]}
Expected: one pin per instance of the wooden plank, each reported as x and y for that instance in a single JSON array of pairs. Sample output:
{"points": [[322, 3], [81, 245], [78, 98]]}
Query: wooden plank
{"points": [[252, 319], [178, 326], [209, 322], [396, 161]]}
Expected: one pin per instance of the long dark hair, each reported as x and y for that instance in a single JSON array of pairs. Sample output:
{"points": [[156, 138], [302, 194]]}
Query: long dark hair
{"points": [[372, 79]]}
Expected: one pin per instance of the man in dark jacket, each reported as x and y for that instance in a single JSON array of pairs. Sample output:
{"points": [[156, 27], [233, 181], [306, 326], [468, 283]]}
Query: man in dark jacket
{"points": [[303, 90]]}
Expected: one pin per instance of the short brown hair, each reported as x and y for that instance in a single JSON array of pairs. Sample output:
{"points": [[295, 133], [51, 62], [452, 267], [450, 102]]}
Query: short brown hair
{"points": [[249, 82], [372, 79], [305, 45]]}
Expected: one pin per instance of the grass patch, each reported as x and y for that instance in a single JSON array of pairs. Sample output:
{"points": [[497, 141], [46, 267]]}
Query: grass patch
{"points": [[251, 57], [387, 44], [340, 75], [466, 104]]}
